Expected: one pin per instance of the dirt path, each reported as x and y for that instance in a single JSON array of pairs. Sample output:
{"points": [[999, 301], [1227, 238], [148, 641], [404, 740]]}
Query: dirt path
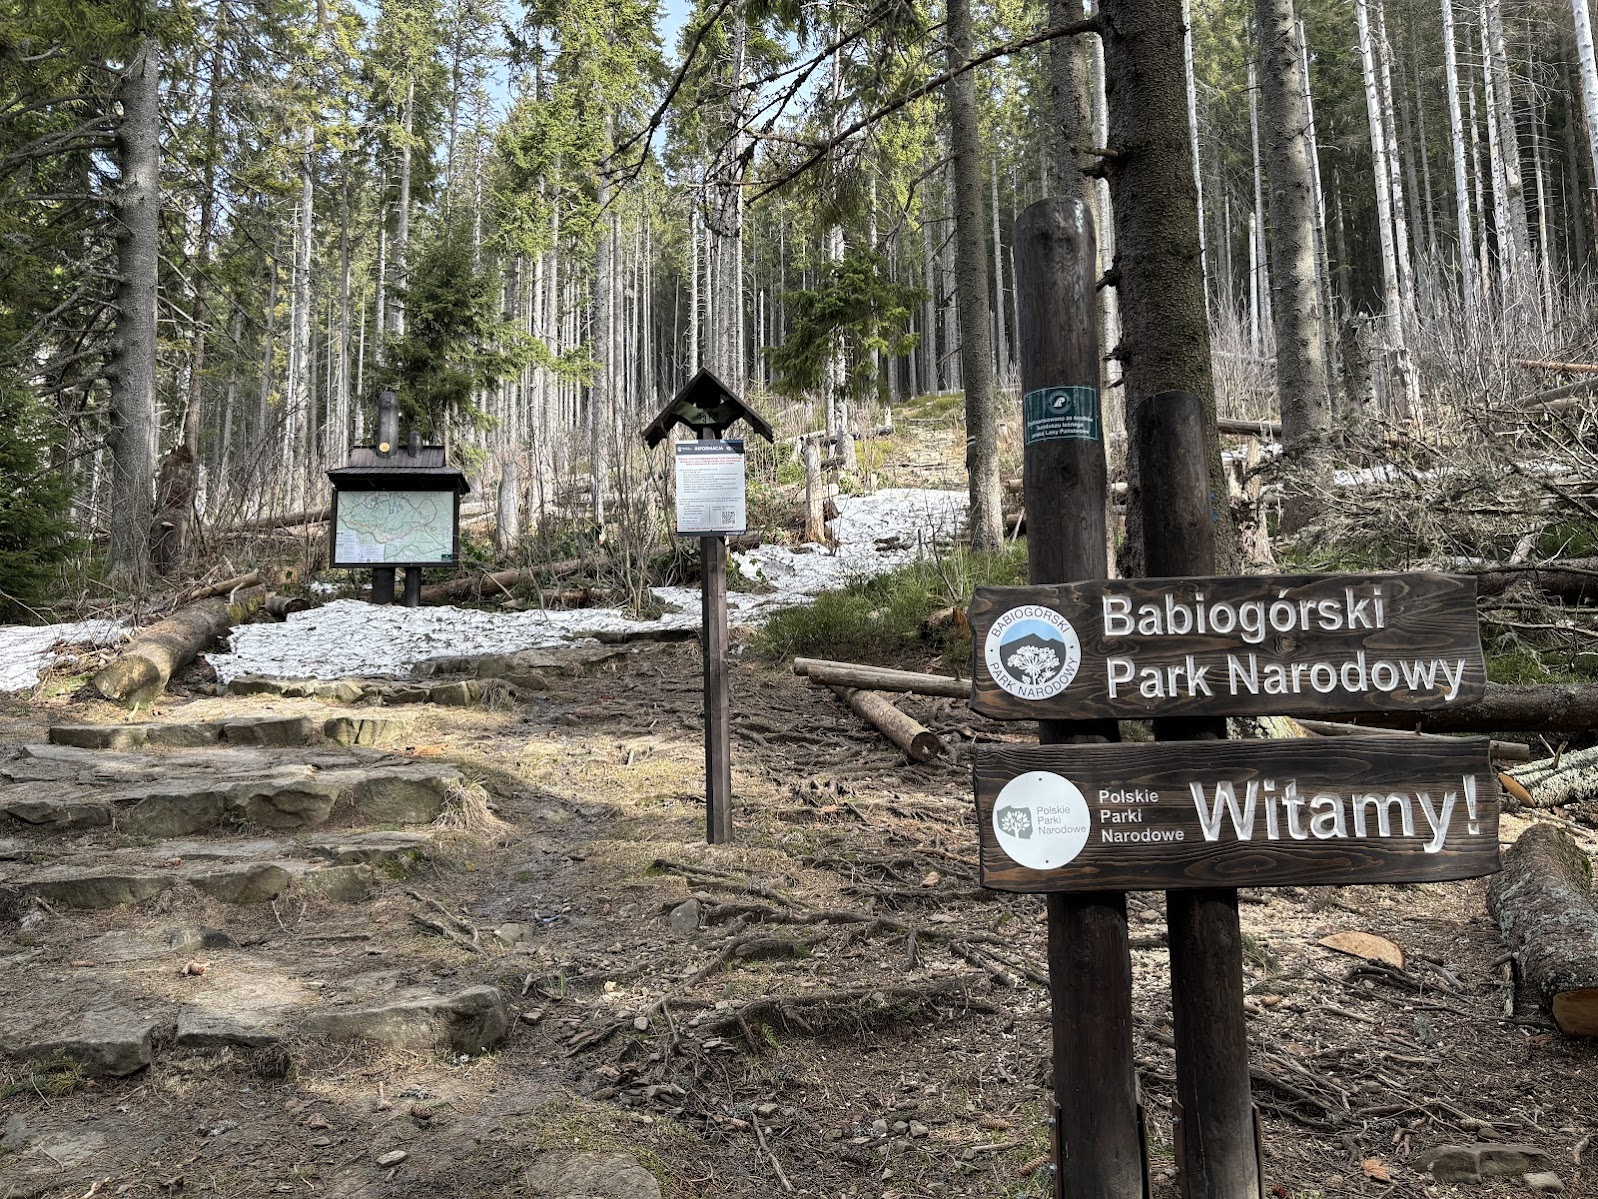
{"points": [[830, 1000]]}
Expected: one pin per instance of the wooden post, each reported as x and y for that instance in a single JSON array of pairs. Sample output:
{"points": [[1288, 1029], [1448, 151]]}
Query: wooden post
{"points": [[413, 587], [383, 585], [1098, 1150], [1218, 1148], [815, 493], [718, 737]]}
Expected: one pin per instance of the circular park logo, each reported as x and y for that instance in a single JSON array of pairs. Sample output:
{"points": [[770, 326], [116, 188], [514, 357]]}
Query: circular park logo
{"points": [[1041, 820], [1032, 652]]}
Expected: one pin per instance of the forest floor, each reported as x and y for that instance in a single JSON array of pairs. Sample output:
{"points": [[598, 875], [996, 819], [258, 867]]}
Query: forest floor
{"points": [[828, 1006]]}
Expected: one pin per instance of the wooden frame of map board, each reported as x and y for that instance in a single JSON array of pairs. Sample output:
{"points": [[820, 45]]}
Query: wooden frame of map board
{"points": [[396, 482]]}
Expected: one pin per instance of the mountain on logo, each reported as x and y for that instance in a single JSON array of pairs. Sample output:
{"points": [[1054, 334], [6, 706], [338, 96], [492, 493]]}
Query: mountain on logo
{"points": [[1033, 658]]}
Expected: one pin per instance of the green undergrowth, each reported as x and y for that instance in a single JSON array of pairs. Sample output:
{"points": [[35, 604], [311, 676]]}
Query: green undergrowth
{"points": [[879, 619]]}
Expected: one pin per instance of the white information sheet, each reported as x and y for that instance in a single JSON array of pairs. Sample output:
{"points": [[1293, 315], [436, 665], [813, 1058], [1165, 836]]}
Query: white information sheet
{"points": [[710, 488], [382, 528]]}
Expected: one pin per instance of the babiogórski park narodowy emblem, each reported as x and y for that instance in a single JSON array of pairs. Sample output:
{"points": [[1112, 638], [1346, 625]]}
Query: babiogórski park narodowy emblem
{"points": [[1032, 652]]}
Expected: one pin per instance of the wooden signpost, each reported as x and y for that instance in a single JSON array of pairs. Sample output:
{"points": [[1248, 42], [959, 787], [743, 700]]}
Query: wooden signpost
{"points": [[707, 510], [1082, 819]]}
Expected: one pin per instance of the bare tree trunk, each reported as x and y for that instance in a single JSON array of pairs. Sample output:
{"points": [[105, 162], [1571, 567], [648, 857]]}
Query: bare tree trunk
{"points": [[300, 413], [1165, 337], [1193, 137], [976, 358], [599, 395], [1301, 389], [1068, 89], [402, 221], [930, 318], [1456, 135], [1501, 112], [133, 421], [1001, 337], [1589, 80]]}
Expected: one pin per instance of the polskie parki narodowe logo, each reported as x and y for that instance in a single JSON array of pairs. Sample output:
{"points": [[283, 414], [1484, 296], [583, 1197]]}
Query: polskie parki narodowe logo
{"points": [[1041, 820], [1032, 652]]}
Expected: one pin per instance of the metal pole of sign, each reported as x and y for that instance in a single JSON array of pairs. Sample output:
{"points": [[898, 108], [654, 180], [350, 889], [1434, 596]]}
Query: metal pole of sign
{"points": [[1098, 1142], [718, 739], [413, 587], [1216, 1132], [383, 585]]}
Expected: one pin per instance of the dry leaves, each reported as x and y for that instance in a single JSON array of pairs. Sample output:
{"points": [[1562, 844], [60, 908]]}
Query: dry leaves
{"points": [[1366, 945], [1376, 1168]]}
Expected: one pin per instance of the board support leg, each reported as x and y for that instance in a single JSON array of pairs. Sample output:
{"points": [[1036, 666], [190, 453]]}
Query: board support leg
{"points": [[383, 585], [718, 742], [413, 587]]}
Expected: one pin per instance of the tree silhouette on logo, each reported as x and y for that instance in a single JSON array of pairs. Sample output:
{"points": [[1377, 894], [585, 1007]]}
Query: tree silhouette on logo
{"points": [[1034, 661]]}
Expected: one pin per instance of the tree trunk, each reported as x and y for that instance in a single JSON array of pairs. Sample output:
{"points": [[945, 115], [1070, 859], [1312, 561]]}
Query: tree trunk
{"points": [[600, 395], [508, 525], [1072, 104], [976, 357], [174, 503], [1542, 708], [878, 678], [1301, 389], [1501, 115], [1456, 136], [402, 221], [301, 421], [909, 734], [1165, 339], [1589, 81], [1193, 139], [133, 420], [141, 672], [1548, 917]]}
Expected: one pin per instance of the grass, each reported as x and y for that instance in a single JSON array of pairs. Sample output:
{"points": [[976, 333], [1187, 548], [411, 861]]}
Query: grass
{"points": [[880, 618]]}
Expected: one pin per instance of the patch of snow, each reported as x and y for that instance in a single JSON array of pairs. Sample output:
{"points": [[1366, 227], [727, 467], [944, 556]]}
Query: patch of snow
{"points": [[27, 651], [874, 533]]}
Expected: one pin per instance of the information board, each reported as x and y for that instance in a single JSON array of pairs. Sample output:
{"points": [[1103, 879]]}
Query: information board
{"points": [[1180, 815], [1258, 645], [710, 488], [393, 528]]}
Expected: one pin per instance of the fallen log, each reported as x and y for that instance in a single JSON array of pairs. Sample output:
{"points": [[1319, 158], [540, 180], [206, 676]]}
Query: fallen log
{"points": [[281, 605], [498, 582], [283, 520], [1574, 368], [1504, 751], [918, 744], [224, 587], [1548, 917], [142, 671], [1250, 428], [879, 678], [1539, 708], [1568, 778], [1574, 580]]}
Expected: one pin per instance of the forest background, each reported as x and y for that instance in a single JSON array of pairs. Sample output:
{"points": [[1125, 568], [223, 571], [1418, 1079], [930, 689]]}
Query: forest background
{"points": [[225, 226]]}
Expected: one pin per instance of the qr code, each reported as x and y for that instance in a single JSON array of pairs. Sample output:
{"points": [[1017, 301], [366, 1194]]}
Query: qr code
{"points": [[726, 516]]}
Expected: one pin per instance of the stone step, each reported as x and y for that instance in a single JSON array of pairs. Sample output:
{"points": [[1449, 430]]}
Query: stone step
{"points": [[287, 798], [457, 693], [111, 884], [61, 763], [271, 731]]}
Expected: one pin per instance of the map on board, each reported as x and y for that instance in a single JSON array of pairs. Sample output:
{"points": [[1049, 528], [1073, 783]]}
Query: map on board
{"points": [[377, 528]]}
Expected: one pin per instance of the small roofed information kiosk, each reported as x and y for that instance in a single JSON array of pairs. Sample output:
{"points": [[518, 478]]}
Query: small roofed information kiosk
{"points": [[396, 508], [711, 504]]}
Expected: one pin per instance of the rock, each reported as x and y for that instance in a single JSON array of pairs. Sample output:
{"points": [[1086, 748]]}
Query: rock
{"points": [[341, 691], [191, 735], [685, 917], [246, 882], [268, 730], [473, 1021], [107, 1044], [401, 794], [1546, 1182], [98, 736], [590, 1175], [514, 933], [406, 694], [392, 1158], [52, 814], [91, 888], [918, 1129], [254, 684], [461, 694], [372, 849], [210, 1028], [1474, 1163], [14, 1138], [172, 809], [342, 884], [366, 730], [288, 801], [192, 940]]}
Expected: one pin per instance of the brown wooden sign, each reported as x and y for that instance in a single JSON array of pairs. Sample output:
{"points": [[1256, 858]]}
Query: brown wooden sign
{"points": [[1183, 815], [1271, 644]]}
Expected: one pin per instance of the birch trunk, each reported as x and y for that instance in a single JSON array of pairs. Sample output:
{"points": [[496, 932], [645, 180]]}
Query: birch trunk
{"points": [[133, 421], [1301, 388], [1589, 81]]}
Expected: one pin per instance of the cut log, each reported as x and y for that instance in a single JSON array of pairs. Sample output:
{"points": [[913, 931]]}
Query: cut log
{"points": [[878, 678], [497, 583], [907, 733], [1574, 580], [1566, 779], [1504, 751], [1574, 368], [283, 520], [1263, 429], [225, 587], [1548, 917], [143, 669], [1543, 707], [281, 605]]}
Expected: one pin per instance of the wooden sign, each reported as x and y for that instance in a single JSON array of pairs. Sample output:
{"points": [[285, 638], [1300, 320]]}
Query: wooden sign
{"points": [[1272, 644], [1181, 815]]}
